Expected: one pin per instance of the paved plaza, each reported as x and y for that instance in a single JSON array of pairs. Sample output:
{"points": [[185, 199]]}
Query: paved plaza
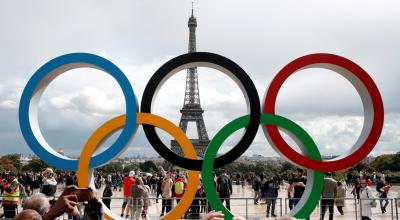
{"points": [[242, 202]]}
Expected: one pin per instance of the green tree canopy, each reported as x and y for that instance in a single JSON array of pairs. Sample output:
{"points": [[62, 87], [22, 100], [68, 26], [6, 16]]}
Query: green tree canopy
{"points": [[35, 165], [148, 166], [6, 165], [15, 159]]}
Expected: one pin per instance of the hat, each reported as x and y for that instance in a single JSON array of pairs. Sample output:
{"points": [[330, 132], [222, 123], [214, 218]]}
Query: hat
{"points": [[48, 170], [132, 173]]}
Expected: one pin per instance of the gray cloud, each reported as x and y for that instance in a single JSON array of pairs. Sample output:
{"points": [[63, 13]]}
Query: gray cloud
{"points": [[139, 37]]}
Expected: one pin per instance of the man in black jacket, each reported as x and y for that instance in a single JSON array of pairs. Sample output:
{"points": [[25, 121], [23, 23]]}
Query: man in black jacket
{"points": [[224, 188], [383, 190]]}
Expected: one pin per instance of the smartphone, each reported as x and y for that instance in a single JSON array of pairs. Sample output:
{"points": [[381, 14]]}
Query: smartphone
{"points": [[83, 194]]}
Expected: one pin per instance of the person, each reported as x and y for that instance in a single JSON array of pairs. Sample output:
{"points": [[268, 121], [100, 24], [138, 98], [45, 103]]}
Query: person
{"points": [[203, 200], [299, 185], [153, 182], [36, 183], [66, 203], [120, 181], [128, 182], [383, 190], [107, 194], [10, 195], [196, 203], [224, 188], [159, 183], [39, 203], [340, 195], [357, 188], [70, 179], [49, 186], [349, 179], [98, 181], [28, 214], [290, 194], [256, 188], [28, 183], [22, 193], [179, 188], [146, 201], [212, 215], [166, 194], [329, 194], [365, 196], [115, 182], [137, 195], [271, 187]]}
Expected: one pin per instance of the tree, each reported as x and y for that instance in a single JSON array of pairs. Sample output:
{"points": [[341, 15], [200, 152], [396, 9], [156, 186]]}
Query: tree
{"points": [[15, 159], [389, 162], [111, 167], [286, 166], [131, 167], [36, 165], [6, 165], [148, 166], [361, 166]]}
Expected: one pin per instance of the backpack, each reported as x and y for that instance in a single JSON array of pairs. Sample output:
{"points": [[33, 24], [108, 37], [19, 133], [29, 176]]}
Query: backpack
{"points": [[179, 187], [223, 184]]}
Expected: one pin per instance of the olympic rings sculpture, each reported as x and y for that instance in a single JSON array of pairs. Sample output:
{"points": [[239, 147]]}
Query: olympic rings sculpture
{"points": [[310, 158]]}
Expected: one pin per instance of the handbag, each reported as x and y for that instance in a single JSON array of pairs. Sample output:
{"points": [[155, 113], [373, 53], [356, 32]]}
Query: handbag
{"points": [[49, 190]]}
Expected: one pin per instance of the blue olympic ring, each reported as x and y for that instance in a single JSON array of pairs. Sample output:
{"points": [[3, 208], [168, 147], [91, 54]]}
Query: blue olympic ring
{"points": [[28, 120]]}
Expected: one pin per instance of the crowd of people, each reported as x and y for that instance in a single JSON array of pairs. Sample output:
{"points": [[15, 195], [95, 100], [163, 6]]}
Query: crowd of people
{"points": [[333, 194], [169, 186], [35, 192], [136, 188]]}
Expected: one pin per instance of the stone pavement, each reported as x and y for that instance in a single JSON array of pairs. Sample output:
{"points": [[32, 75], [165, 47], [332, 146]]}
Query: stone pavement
{"points": [[242, 203], [242, 198]]}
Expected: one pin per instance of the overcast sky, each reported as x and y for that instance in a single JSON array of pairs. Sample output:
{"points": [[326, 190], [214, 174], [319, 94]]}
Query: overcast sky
{"points": [[139, 36]]}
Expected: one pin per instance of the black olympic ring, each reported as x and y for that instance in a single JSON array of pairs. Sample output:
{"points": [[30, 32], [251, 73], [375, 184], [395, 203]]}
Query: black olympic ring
{"points": [[215, 61]]}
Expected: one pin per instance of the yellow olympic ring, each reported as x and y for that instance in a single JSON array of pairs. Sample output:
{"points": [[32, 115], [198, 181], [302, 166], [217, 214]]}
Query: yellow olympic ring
{"points": [[142, 118]]}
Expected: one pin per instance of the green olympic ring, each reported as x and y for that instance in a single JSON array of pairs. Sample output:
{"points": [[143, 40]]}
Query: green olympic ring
{"points": [[315, 179]]}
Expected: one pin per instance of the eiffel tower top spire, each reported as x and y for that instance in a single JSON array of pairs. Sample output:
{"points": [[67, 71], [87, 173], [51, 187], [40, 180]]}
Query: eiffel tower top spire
{"points": [[192, 97], [192, 8], [192, 24]]}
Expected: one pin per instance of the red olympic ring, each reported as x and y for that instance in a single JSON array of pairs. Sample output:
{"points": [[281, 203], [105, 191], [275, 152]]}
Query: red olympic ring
{"points": [[372, 102]]}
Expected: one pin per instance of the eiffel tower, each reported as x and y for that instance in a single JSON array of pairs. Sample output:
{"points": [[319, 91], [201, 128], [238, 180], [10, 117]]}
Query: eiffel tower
{"points": [[191, 110]]}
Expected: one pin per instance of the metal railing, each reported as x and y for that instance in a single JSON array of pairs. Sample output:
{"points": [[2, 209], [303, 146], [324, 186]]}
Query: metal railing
{"points": [[397, 202], [357, 209], [240, 206], [245, 207]]}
